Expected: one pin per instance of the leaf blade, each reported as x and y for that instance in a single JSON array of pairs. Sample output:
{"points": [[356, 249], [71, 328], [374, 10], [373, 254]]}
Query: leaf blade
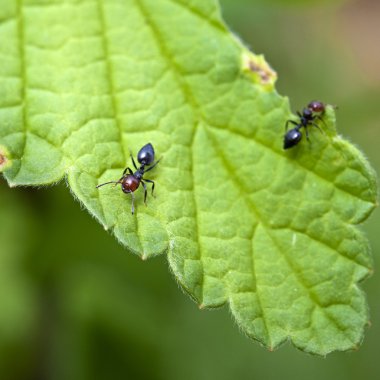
{"points": [[270, 232]]}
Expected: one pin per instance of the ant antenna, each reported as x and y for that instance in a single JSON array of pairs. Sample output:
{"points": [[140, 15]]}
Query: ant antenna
{"points": [[107, 183]]}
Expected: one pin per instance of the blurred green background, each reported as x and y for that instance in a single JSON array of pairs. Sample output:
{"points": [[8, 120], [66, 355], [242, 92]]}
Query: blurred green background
{"points": [[75, 305]]}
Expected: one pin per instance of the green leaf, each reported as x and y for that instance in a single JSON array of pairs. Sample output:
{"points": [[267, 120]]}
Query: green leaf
{"points": [[270, 232]]}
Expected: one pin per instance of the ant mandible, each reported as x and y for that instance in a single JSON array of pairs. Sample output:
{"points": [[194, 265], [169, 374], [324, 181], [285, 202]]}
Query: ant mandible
{"points": [[131, 181], [307, 118]]}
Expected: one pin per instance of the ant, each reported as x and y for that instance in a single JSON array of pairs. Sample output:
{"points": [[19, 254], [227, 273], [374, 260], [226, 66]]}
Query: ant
{"points": [[309, 114], [131, 181]]}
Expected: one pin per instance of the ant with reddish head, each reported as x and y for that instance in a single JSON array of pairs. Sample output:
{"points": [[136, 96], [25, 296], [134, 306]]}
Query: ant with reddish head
{"points": [[130, 181], [307, 118]]}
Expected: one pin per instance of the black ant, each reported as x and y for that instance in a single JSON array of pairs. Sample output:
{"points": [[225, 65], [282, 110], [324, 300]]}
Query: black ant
{"points": [[307, 118], [131, 181]]}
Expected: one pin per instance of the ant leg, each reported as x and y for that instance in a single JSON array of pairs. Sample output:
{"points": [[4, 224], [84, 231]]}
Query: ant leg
{"points": [[145, 190], [133, 161], [128, 169], [307, 133], [133, 204], [317, 126], [150, 168], [152, 182], [287, 123], [321, 119]]}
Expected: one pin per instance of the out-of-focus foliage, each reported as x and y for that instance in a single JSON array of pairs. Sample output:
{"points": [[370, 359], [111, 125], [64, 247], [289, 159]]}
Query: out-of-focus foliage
{"points": [[18, 304]]}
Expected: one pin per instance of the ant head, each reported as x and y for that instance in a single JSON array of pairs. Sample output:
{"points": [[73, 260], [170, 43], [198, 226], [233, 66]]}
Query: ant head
{"points": [[292, 138], [316, 106], [146, 154]]}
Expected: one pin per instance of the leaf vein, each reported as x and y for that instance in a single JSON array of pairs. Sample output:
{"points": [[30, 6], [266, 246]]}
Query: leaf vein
{"points": [[23, 78], [196, 12], [297, 163], [312, 296]]}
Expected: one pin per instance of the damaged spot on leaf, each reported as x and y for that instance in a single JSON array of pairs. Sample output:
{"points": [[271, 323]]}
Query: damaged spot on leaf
{"points": [[258, 68], [4, 160]]}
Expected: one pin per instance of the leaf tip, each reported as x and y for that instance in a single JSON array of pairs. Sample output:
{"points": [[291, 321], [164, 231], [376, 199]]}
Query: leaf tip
{"points": [[201, 306], [144, 257], [356, 347], [258, 69]]}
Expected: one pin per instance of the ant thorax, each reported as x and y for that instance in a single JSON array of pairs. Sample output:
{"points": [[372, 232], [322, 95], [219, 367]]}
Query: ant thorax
{"points": [[138, 174]]}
